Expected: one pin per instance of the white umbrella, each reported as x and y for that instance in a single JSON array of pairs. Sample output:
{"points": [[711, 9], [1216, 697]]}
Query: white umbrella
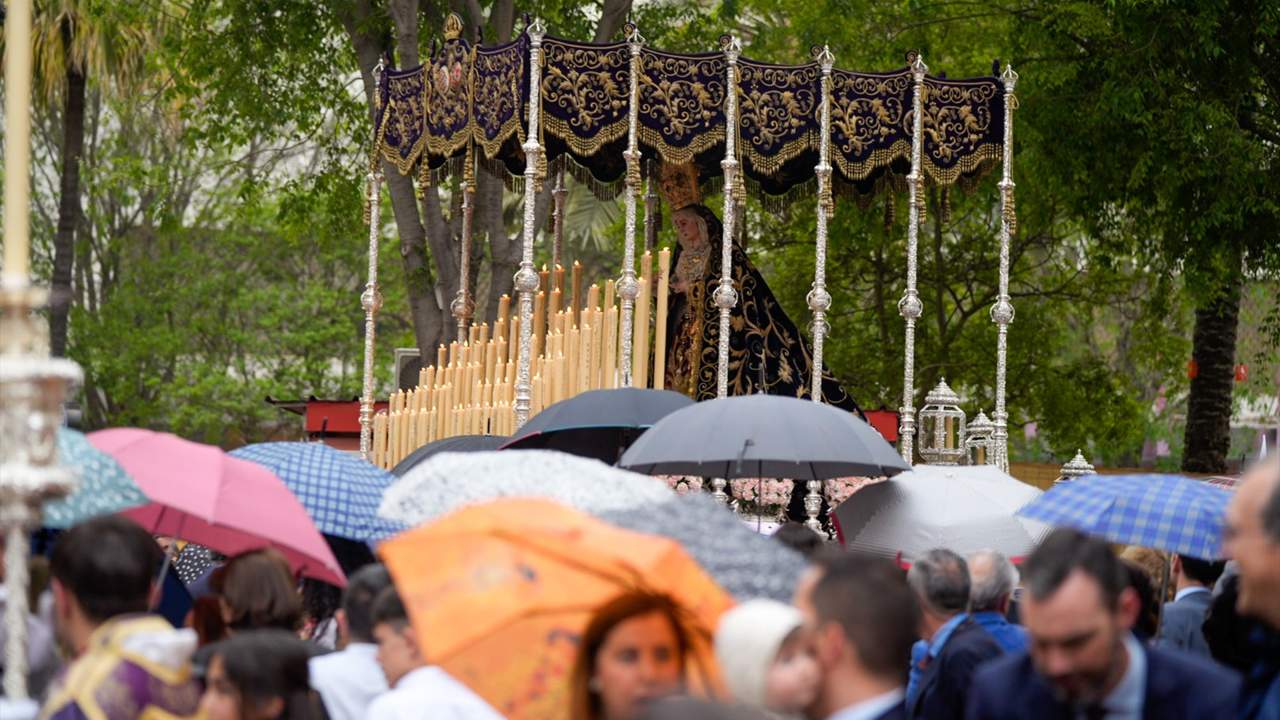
{"points": [[960, 508], [448, 481]]}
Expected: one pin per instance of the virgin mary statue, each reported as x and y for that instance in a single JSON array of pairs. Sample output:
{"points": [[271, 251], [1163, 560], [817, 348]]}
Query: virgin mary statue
{"points": [[766, 351]]}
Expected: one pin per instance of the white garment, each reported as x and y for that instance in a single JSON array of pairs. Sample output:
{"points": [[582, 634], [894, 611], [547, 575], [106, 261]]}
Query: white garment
{"points": [[430, 692], [872, 708], [348, 680]]}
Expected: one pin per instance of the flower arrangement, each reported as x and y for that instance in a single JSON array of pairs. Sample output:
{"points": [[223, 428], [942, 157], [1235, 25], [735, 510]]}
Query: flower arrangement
{"points": [[837, 490], [764, 495], [683, 484]]}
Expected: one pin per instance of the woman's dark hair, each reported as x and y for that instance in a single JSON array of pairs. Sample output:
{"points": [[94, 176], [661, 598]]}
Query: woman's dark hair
{"points": [[800, 538], [259, 592], [584, 703], [206, 620], [1148, 622], [320, 601], [267, 664]]}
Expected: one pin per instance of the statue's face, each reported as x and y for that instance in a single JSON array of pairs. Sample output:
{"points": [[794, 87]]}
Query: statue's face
{"points": [[690, 228]]}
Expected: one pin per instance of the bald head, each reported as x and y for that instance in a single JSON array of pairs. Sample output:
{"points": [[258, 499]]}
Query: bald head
{"points": [[1252, 539], [991, 580]]}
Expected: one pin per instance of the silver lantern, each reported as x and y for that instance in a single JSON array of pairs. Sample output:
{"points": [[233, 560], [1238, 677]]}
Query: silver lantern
{"points": [[1075, 467], [977, 441], [942, 427]]}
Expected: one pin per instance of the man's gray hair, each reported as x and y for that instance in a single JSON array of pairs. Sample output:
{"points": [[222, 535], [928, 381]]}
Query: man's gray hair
{"points": [[941, 579], [992, 577]]}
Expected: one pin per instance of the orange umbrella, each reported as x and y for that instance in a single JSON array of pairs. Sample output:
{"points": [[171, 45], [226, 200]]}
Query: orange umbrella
{"points": [[499, 594]]}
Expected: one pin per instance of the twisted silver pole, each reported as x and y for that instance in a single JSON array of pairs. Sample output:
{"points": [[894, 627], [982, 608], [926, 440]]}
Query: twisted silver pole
{"points": [[1002, 311], [463, 306], [819, 299], [628, 286], [725, 296], [371, 301], [910, 306], [526, 278]]}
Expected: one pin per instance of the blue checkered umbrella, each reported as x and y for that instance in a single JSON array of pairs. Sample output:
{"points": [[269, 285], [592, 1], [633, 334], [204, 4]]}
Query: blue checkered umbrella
{"points": [[1165, 512], [340, 491], [104, 487]]}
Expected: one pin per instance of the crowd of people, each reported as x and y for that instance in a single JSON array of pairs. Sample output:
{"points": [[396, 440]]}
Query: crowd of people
{"points": [[1073, 631]]}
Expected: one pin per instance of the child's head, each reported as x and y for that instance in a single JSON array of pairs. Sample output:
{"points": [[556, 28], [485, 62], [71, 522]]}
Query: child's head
{"points": [[765, 657]]}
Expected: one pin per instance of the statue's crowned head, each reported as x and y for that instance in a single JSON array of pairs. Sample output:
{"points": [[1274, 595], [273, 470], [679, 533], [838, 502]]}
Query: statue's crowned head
{"points": [[678, 184]]}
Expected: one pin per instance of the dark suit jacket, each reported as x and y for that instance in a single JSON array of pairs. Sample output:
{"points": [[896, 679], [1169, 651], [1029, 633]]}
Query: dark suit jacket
{"points": [[1181, 622], [1179, 685], [897, 712], [944, 684]]}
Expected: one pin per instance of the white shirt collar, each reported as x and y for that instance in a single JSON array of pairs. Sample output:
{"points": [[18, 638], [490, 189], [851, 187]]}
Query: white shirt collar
{"points": [[1189, 591], [871, 708]]}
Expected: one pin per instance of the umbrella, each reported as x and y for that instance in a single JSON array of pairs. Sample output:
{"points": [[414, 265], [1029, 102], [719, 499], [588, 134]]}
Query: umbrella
{"points": [[104, 488], [1165, 512], [340, 491], [742, 561], [528, 574], [457, 443], [963, 509], [200, 494], [448, 481], [598, 424], [763, 436]]}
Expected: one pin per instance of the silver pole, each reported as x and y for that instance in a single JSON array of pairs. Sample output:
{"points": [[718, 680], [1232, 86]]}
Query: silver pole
{"points": [[910, 306], [628, 286], [526, 278], [726, 297], [819, 299], [1002, 312]]}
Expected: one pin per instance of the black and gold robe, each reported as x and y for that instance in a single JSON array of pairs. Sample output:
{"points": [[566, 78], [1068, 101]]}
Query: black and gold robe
{"points": [[766, 351]]}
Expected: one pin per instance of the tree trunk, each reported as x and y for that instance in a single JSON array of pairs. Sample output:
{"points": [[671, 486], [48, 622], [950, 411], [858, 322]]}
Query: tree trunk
{"points": [[64, 239], [1213, 350]]}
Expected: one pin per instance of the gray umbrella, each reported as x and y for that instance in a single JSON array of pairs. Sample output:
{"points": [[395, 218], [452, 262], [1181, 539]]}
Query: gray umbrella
{"points": [[598, 424], [745, 563], [763, 436], [455, 444]]}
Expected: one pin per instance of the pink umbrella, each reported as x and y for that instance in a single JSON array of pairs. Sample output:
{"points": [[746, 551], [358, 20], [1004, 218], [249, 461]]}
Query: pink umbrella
{"points": [[205, 496]]}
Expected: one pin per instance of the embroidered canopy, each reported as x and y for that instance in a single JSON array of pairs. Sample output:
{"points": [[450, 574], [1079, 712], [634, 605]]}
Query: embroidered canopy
{"points": [[429, 115]]}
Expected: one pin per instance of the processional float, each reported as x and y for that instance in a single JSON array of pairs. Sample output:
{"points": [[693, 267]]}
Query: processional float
{"points": [[609, 114]]}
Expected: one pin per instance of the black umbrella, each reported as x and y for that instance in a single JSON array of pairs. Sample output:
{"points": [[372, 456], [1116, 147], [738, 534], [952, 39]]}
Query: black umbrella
{"points": [[457, 443], [598, 424], [763, 436]]}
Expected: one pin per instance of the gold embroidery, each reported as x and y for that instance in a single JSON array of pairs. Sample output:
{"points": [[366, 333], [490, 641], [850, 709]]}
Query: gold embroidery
{"points": [[781, 101], [865, 110], [957, 120], [683, 94], [588, 85], [496, 79], [449, 104], [405, 113]]}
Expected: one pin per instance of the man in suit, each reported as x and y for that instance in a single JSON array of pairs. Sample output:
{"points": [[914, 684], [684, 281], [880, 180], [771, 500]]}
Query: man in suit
{"points": [[1252, 539], [954, 644], [1181, 619], [991, 579], [1084, 662], [862, 618]]}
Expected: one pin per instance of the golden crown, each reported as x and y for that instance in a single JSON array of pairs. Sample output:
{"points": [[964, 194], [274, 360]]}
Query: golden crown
{"points": [[678, 185]]}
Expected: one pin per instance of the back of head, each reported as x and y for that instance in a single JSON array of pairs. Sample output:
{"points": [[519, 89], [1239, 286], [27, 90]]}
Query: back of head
{"points": [[108, 564], [875, 607], [259, 592], [799, 538], [1205, 572], [267, 664], [584, 703], [363, 589], [1065, 551], [747, 641], [1148, 621], [941, 579], [388, 609], [991, 580]]}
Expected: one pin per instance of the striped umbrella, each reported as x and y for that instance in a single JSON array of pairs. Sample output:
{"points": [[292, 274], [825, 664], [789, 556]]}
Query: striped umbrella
{"points": [[340, 491], [1165, 512], [104, 488]]}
